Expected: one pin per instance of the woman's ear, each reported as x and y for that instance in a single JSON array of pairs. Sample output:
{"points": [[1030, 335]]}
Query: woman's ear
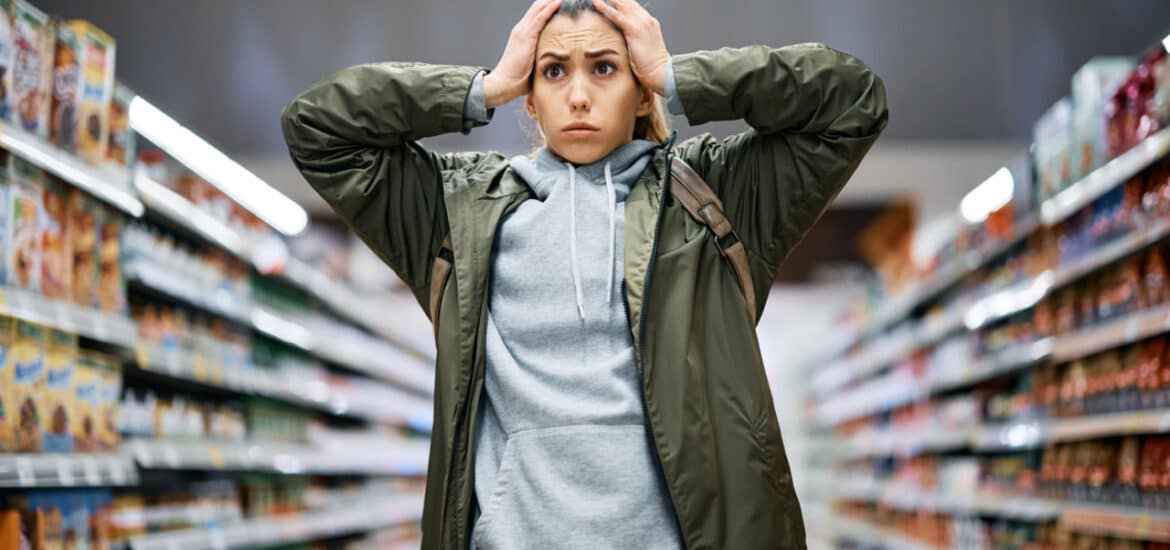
{"points": [[645, 101], [530, 107]]}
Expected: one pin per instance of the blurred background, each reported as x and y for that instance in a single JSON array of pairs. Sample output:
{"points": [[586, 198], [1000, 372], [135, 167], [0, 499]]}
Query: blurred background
{"points": [[967, 351]]}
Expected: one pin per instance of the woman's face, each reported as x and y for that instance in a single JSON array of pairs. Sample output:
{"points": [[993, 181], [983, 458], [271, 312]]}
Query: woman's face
{"points": [[584, 96]]}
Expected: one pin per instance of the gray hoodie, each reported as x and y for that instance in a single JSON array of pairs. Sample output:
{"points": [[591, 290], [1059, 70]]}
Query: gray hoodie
{"points": [[564, 458]]}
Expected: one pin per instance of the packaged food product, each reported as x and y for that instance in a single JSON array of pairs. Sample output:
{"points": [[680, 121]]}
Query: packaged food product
{"points": [[86, 381], [56, 252], [7, 56], [67, 54], [5, 214], [120, 147], [83, 243], [111, 285], [96, 91], [28, 352], [32, 68], [1092, 86], [109, 396], [1154, 278], [8, 407], [1051, 138], [60, 393], [10, 533], [25, 198]]}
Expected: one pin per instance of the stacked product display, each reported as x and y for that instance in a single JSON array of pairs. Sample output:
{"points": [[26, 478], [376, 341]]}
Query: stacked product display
{"points": [[157, 390], [1015, 392]]}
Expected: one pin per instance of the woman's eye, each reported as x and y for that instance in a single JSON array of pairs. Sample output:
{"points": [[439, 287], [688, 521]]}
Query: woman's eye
{"points": [[605, 68], [553, 71]]}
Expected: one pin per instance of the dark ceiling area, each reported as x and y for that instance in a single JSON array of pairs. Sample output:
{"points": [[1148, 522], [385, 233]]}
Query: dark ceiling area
{"points": [[955, 71]]}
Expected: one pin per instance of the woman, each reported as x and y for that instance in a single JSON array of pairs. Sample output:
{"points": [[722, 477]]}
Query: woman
{"points": [[598, 382]]}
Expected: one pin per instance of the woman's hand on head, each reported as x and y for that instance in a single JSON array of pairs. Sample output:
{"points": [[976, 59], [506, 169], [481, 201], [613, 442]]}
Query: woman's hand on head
{"points": [[648, 53], [509, 80]]}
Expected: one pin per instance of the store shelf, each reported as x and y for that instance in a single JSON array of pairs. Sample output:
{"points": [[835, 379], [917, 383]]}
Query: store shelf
{"points": [[1119, 332], [906, 442], [409, 458], [872, 535], [999, 363], [978, 503], [1102, 180], [66, 470], [403, 409], [1130, 523], [355, 517], [109, 185], [217, 301], [114, 329], [1028, 434], [192, 219]]}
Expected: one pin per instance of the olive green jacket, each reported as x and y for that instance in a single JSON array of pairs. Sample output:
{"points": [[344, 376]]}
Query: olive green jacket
{"points": [[813, 112]]}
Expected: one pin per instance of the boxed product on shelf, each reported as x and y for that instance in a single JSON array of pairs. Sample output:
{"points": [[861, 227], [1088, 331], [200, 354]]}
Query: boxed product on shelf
{"points": [[1092, 87], [87, 376], [111, 285], [24, 227], [1137, 109], [56, 252], [109, 397], [83, 242], [28, 360], [60, 394], [120, 146], [1051, 137], [7, 57], [32, 68], [8, 403], [82, 88]]}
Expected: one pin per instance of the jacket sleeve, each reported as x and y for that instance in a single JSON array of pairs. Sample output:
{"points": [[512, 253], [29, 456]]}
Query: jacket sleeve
{"points": [[353, 136], [813, 112]]}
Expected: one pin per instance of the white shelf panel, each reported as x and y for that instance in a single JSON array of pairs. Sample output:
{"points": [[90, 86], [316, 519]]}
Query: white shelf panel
{"points": [[1033, 433], [1118, 332], [29, 471], [110, 328], [998, 363], [406, 459], [109, 185], [262, 532], [158, 278]]}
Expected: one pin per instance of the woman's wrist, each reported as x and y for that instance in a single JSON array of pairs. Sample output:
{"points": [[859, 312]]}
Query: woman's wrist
{"points": [[496, 93]]}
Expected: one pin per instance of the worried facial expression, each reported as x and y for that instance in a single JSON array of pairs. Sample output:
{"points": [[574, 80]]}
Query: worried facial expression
{"points": [[584, 95]]}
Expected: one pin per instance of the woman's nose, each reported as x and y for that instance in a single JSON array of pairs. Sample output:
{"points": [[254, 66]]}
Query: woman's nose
{"points": [[578, 96]]}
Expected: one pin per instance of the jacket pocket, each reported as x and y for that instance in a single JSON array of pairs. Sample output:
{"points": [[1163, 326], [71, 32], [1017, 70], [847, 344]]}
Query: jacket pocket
{"points": [[578, 487]]}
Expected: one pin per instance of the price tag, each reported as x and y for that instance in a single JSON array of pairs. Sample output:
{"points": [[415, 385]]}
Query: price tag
{"points": [[25, 475], [117, 475], [1131, 329], [89, 466], [171, 456], [65, 472], [216, 456], [1143, 525], [142, 356]]}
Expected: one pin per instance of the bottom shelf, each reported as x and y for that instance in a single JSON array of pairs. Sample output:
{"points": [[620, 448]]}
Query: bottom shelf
{"points": [[356, 517], [1132, 523]]}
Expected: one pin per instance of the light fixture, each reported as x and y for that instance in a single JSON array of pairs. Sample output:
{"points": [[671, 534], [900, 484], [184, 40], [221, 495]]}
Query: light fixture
{"points": [[989, 196], [1166, 42], [212, 165]]}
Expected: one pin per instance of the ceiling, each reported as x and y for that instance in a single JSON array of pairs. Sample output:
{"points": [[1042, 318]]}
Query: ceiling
{"points": [[956, 71]]}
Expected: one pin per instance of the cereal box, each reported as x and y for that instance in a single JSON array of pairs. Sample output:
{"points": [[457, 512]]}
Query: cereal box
{"points": [[111, 286], [28, 363], [24, 213], [5, 215], [57, 424], [56, 252], [109, 395], [120, 148], [66, 78], [32, 68], [83, 244], [86, 382], [7, 55], [7, 383], [95, 91]]}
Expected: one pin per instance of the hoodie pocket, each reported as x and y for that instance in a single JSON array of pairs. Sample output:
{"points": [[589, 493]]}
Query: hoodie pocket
{"points": [[578, 487]]}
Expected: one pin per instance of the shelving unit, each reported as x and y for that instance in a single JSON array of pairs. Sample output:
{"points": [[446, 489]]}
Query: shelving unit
{"points": [[36, 471], [408, 459]]}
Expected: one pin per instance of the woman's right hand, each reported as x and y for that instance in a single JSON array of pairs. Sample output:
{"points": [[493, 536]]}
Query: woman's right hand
{"points": [[509, 80]]}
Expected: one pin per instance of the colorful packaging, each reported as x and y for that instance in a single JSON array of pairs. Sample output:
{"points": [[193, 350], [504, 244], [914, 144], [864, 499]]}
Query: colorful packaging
{"points": [[95, 91], [1051, 139], [24, 250], [111, 286], [63, 116], [120, 148], [109, 395], [8, 408], [86, 382], [32, 72], [28, 351], [60, 393], [7, 56], [83, 244], [56, 252], [1092, 86], [5, 214]]}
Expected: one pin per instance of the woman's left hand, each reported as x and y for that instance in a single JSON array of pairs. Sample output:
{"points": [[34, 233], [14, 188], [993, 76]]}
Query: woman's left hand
{"points": [[648, 54]]}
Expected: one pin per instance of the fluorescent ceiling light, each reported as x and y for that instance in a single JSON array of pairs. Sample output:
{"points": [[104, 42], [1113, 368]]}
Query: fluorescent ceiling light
{"points": [[989, 196], [209, 163], [1166, 42]]}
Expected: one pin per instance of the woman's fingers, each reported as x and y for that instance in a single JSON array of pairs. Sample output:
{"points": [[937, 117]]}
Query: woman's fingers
{"points": [[612, 13], [540, 12]]}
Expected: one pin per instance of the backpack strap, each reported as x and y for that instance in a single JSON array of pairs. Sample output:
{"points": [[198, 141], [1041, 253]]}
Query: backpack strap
{"points": [[705, 207], [699, 201], [440, 272]]}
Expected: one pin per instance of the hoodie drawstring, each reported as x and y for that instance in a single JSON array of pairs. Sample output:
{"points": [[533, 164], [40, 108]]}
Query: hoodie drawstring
{"points": [[611, 193]]}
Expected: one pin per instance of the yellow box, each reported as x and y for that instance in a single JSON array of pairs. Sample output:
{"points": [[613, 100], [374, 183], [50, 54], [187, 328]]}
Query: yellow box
{"points": [[87, 382], [60, 394], [7, 392], [108, 400], [28, 350]]}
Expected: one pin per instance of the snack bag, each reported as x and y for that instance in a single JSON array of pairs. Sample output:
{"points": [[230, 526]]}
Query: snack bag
{"points": [[28, 352], [83, 245], [56, 252], [60, 394], [32, 70], [24, 213]]}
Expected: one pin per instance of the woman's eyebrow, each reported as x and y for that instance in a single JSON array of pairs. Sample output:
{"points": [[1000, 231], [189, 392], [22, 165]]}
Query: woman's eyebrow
{"points": [[600, 53], [555, 55]]}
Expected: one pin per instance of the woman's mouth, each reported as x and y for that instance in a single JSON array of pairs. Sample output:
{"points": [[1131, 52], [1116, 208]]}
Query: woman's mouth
{"points": [[579, 129]]}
